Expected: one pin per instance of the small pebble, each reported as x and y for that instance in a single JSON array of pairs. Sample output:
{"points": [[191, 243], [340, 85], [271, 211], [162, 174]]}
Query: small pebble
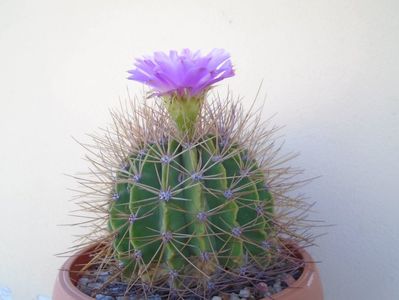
{"points": [[103, 276], [245, 293], [94, 285], [83, 280], [277, 286], [267, 295], [262, 287], [116, 289], [234, 296], [104, 297]]}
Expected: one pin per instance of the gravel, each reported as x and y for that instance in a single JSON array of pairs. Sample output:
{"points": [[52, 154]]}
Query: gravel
{"points": [[102, 286], [245, 293]]}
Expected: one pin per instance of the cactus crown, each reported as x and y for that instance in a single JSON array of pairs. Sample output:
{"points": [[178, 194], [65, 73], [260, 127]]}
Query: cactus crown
{"points": [[190, 192]]}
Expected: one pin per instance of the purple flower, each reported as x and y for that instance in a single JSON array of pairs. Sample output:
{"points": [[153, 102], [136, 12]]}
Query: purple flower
{"points": [[186, 74]]}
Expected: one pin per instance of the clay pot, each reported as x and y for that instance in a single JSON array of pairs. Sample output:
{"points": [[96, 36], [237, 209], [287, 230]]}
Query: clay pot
{"points": [[307, 287], [67, 278]]}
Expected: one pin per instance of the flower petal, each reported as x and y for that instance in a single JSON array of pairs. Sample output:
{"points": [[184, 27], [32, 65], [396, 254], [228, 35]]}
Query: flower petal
{"points": [[188, 73]]}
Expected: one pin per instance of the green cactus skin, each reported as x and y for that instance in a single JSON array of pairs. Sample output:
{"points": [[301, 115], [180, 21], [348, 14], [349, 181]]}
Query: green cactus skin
{"points": [[202, 205]]}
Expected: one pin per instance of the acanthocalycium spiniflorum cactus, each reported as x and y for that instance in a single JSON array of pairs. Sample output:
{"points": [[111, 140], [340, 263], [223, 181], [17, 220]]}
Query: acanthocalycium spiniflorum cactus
{"points": [[190, 193]]}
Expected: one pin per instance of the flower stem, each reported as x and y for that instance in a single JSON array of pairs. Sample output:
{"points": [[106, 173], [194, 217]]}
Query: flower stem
{"points": [[185, 112]]}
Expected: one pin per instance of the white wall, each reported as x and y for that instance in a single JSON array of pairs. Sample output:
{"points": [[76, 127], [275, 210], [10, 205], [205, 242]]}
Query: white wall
{"points": [[330, 70]]}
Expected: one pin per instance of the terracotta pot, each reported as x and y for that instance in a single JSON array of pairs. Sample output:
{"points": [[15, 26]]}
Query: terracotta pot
{"points": [[307, 287]]}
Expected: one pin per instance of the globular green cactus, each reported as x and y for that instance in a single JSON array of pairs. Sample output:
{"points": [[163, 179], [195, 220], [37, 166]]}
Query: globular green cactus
{"points": [[203, 204]]}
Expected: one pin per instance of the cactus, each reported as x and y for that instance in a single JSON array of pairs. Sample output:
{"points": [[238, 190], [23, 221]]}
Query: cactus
{"points": [[191, 188], [177, 204]]}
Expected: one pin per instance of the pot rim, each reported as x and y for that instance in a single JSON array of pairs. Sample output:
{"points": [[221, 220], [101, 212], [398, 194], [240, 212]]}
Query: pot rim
{"points": [[67, 282], [306, 279]]}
